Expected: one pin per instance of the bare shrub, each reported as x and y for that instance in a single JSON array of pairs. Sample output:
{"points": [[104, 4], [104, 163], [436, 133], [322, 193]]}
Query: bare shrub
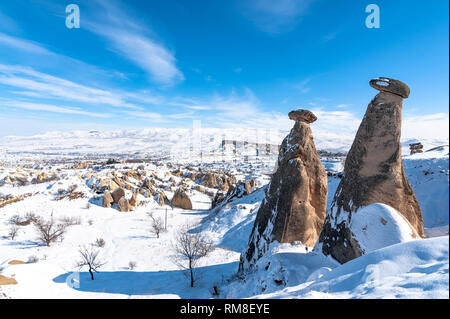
{"points": [[33, 259], [22, 221], [72, 188], [100, 242], [71, 194], [31, 217], [49, 231], [13, 231], [89, 258], [15, 220], [76, 195], [5, 197], [132, 265], [70, 221], [189, 248], [157, 225]]}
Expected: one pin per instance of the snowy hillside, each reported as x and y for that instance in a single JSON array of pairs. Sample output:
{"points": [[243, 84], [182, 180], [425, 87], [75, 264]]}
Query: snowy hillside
{"points": [[138, 264]]}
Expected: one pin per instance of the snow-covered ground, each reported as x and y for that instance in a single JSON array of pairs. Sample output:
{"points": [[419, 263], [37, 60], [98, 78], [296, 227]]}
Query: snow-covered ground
{"points": [[405, 268]]}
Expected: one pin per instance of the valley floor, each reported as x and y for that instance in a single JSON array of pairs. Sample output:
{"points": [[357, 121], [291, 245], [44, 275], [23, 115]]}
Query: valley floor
{"points": [[413, 269]]}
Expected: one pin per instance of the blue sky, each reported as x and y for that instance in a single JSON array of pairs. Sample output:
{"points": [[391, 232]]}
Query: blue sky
{"points": [[138, 64]]}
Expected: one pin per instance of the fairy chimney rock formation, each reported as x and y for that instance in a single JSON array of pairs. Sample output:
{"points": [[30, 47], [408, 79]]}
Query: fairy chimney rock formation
{"points": [[373, 173], [294, 207]]}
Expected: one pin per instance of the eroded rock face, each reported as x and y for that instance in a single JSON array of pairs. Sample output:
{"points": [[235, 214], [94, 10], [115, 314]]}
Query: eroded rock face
{"points": [[294, 207], [373, 173]]}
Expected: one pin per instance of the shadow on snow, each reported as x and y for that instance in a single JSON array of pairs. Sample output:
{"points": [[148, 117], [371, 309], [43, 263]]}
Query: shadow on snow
{"points": [[170, 282]]}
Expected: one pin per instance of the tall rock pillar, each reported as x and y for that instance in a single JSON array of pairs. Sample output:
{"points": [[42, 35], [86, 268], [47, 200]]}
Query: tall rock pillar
{"points": [[294, 207], [373, 173]]}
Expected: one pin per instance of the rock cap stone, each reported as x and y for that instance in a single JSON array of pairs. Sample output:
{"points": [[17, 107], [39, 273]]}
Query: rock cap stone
{"points": [[390, 85], [302, 115]]}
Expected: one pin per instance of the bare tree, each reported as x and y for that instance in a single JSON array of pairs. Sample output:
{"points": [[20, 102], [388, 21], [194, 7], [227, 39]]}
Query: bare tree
{"points": [[89, 258], [189, 249], [157, 225], [49, 231], [132, 265], [100, 242], [13, 230]]}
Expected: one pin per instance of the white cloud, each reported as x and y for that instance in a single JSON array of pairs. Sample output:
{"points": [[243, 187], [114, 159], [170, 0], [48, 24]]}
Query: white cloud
{"points": [[330, 37], [41, 85], [61, 63], [431, 126], [132, 41], [23, 44], [276, 16], [336, 121], [302, 86], [149, 55], [51, 108], [153, 116]]}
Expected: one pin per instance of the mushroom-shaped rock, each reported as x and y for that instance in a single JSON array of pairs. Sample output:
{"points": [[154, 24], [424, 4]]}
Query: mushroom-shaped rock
{"points": [[390, 85], [181, 199], [302, 115], [373, 174], [107, 200], [294, 206]]}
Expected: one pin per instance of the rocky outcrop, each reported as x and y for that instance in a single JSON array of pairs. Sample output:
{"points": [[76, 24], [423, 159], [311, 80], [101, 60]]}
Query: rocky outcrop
{"points": [[147, 183], [373, 173], [161, 198], [294, 206], [44, 178], [134, 199], [218, 199], [247, 188], [113, 186], [123, 205], [117, 195], [238, 191], [210, 180], [14, 199], [415, 148], [107, 200], [181, 199]]}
